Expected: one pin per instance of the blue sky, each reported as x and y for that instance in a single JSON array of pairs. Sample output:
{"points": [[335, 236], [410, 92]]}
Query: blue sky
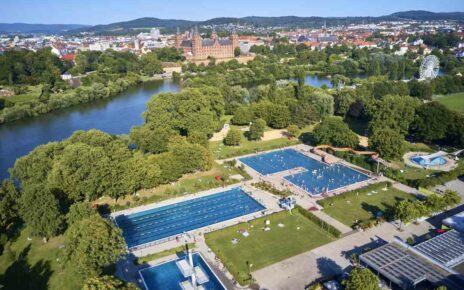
{"points": [[108, 11]]}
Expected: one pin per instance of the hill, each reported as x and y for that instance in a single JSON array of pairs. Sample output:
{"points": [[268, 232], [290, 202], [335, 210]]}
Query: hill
{"points": [[38, 28]]}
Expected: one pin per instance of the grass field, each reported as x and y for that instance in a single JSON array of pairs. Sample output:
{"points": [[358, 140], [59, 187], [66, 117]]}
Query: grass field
{"points": [[36, 265], [454, 102], [162, 254], [362, 204], [263, 248]]}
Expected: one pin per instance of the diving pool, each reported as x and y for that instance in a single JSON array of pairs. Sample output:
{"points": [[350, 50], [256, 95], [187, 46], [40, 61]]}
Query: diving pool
{"points": [[168, 275], [171, 220], [317, 176]]}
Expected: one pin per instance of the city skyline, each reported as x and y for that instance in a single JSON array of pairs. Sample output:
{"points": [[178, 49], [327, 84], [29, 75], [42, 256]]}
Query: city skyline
{"points": [[90, 12]]}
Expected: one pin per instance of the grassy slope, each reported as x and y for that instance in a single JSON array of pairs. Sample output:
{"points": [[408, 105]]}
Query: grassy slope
{"points": [[454, 102], [32, 94], [347, 209], [39, 268], [265, 248]]}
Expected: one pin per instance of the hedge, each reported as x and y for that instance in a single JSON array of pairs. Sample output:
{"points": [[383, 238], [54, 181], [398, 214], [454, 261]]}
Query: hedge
{"points": [[328, 227]]}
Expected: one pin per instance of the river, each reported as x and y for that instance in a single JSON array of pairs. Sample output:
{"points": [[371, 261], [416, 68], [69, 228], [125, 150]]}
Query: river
{"points": [[116, 115]]}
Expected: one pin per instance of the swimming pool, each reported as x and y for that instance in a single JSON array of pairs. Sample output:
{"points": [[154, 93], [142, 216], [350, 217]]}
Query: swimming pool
{"points": [[168, 275], [158, 223], [317, 178], [419, 160]]}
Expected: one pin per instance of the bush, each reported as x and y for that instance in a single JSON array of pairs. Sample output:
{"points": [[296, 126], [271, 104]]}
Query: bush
{"points": [[233, 138], [329, 228]]}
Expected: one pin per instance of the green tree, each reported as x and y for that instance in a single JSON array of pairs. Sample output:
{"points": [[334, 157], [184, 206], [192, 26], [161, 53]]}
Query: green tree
{"points": [[92, 245], [237, 51], [8, 204], [242, 116], [257, 128], [293, 131], [434, 203], [405, 211], [361, 279], [432, 121], [151, 140], [233, 137], [107, 282], [79, 211], [451, 198], [388, 142], [40, 211], [333, 131], [150, 64]]}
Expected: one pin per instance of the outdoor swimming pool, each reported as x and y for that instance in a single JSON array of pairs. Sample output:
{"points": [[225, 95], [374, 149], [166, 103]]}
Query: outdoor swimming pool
{"points": [[419, 160], [317, 178], [168, 275], [167, 221]]}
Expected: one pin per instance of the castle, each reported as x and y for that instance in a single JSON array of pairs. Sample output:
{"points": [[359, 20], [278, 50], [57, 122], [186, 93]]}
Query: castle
{"points": [[197, 48]]}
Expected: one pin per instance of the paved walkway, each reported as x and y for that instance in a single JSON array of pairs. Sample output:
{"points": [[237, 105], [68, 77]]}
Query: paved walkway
{"points": [[299, 271], [344, 229]]}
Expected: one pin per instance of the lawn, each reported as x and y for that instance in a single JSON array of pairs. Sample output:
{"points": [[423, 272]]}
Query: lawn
{"points": [[263, 248], [33, 93], [162, 254], [36, 265], [363, 204], [454, 102]]}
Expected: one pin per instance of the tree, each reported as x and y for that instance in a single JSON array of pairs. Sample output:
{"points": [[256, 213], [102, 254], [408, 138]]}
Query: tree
{"points": [[323, 104], [432, 121], [279, 116], [388, 142], [451, 198], [434, 203], [293, 131], [257, 128], [39, 210], [406, 211], [8, 204], [233, 138], [107, 282], [79, 211], [93, 244], [361, 279], [150, 64], [237, 51], [151, 140], [333, 131], [242, 116]]}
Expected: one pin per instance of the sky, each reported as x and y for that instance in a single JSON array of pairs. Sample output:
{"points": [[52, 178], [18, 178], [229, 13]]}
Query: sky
{"points": [[108, 11]]}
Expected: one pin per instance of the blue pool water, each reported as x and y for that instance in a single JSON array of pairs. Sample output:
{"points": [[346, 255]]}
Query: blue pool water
{"points": [[316, 179], [158, 223], [168, 276], [425, 162]]}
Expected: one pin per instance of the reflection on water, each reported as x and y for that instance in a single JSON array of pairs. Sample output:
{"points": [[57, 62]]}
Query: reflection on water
{"points": [[115, 116]]}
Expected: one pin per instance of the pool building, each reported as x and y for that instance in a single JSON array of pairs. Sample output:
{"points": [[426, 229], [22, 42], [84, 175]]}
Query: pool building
{"points": [[163, 223], [314, 176]]}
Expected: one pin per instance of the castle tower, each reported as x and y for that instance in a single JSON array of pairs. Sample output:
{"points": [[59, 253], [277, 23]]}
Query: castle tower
{"points": [[234, 38], [214, 35], [178, 39], [196, 42]]}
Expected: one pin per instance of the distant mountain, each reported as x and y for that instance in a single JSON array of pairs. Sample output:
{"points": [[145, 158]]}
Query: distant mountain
{"points": [[136, 25], [140, 23], [38, 28], [427, 15]]}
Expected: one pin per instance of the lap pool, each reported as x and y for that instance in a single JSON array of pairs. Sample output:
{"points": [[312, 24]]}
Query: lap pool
{"points": [[168, 221], [317, 176]]}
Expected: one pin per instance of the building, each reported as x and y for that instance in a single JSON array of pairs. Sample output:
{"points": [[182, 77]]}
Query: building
{"points": [[438, 261], [198, 48]]}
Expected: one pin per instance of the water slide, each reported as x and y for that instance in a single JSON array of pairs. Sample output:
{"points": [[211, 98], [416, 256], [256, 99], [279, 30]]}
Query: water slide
{"points": [[374, 155]]}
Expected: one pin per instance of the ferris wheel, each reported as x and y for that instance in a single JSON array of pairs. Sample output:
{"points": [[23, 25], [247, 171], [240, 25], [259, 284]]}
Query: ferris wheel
{"points": [[429, 68]]}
